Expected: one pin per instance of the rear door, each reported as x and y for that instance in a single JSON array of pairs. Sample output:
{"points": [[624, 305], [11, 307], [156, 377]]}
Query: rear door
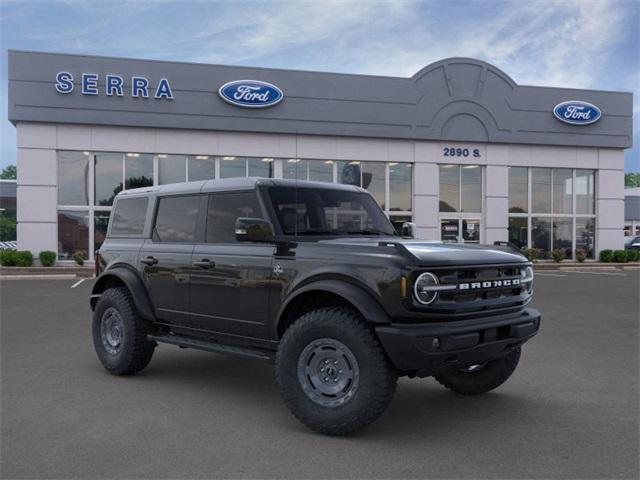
{"points": [[230, 280], [166, 257]]}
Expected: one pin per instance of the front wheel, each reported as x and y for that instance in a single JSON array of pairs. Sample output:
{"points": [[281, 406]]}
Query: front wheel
{"points": [[482, 378], [332, 372]]}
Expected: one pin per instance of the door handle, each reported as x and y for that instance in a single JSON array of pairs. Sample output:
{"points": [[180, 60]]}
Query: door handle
{"points": [[204, 263], [149, 260]]}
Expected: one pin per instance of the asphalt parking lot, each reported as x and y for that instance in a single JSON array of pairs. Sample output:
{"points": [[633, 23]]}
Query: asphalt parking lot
{"points": [[569, 411]]}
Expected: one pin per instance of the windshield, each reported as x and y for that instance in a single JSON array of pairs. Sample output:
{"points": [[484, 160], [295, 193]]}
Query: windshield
{"points": [[320, 211]]}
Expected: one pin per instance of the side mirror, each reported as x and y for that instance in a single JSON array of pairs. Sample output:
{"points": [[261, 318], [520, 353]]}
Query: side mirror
{"points": [[408, 230], [253, 230]]}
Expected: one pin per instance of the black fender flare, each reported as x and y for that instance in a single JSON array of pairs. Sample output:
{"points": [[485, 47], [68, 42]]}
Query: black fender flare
{"points": [[133, 282], [362, 300]]}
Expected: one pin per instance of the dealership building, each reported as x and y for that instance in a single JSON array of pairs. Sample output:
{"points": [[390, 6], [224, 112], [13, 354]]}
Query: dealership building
{"points": [[460, 149]]}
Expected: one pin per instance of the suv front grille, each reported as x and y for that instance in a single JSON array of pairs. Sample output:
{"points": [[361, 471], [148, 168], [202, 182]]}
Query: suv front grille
{"points": [[480, 289]]}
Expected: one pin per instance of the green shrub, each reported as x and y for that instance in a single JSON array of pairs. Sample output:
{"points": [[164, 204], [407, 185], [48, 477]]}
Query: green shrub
{"points": [[558, 255], [606, 256], [531, 253], [24, 258], [633, 255], [620, 256], [79, 256], [581, 254], [8, 258], [47, 258]]}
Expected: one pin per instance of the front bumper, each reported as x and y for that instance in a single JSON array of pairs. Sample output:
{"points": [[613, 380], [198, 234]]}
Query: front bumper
{"points": [[428, 349]]}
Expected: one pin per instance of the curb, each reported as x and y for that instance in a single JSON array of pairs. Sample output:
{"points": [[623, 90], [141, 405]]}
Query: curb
{"points": [[585, 266], [52, 276]]}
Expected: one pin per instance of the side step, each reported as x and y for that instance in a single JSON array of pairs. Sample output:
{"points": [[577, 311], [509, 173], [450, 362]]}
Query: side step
{"points": [[188, 342]]}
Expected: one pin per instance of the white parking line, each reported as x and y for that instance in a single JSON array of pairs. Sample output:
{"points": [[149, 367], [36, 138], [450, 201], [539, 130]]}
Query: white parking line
{"points": [[599, 273], [78, 283]]}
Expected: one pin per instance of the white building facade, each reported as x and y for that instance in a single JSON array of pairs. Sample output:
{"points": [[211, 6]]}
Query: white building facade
{"points": [[480, 160]]}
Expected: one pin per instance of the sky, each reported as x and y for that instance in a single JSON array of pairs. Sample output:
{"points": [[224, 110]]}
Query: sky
{"points": [[565, 43]]}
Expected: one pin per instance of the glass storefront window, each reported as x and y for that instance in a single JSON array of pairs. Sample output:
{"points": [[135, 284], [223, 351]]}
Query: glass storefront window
{"points": [[518, 190], [562, 190], [449, 188], [585, 192], [541, 235], [100, 222], [471, 190], [171, 169], [562, 235], [231, 167], [138, 170], [260, 167], [400, 188], [73, 233], [518, 231], [201, 167], [585, 235], [320, 170], [294, 168], [73, 178], [373, 179], [541, 190], [108, 177]]}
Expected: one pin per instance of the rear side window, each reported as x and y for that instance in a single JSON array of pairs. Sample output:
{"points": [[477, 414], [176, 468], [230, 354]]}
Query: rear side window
{"points": [[129, 215], [176, 219], [224, 209]]}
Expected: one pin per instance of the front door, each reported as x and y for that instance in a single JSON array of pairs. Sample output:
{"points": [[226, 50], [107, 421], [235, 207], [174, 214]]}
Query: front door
{"points": [[166, 257], [230, 281], [460, 230]]}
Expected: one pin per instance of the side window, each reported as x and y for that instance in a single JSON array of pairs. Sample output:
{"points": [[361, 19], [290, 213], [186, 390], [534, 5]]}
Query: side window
{"points": [[129, 215], [224, 209], [176, 219]]}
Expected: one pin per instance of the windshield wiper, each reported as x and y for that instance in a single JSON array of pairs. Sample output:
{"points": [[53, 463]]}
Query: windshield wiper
{"points": [[317, 232]]}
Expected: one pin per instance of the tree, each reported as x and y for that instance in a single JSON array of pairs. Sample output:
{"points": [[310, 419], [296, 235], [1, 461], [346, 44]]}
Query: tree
{"points": [[632, 180], [9, 173]]}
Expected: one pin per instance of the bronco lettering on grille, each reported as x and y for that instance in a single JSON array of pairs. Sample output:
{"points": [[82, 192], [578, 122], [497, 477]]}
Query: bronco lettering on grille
{"points": [[510, 282]]}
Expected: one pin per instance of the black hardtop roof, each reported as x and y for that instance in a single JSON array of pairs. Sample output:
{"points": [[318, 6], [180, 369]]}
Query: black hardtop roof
{"points": [[231, 184]]}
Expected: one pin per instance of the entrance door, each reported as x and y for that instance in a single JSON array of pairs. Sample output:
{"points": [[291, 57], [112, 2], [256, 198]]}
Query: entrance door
{"points": [[460, 230]]}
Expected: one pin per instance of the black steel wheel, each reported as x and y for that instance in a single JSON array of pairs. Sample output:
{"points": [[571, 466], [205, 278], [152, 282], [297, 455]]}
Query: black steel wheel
{"points": [[333, 373], [120, 334]]}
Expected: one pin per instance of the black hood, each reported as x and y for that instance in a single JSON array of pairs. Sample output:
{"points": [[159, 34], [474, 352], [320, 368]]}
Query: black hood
{"points": [[441, 254]]}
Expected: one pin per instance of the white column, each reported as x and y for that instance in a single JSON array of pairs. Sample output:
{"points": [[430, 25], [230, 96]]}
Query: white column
{"points": [[37, 193], [610, 200], [496, 211], [426, 191]]}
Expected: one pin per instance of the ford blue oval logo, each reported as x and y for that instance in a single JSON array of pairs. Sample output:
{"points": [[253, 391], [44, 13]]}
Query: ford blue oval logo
{"points": [[577, 112], [251, 93]]}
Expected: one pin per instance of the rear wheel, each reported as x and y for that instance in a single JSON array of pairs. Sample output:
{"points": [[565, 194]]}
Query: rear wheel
{"points": [[481, 378], [332, 372], [120, 334]]}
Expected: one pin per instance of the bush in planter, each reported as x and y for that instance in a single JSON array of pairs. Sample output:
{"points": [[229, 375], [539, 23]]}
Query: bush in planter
{"points": [[47, 258], [8, 258], [606, 256], [581, 254], [620, 256], [24, 258], [558, 255], [633, 255], [531, 253], [79, 256]]}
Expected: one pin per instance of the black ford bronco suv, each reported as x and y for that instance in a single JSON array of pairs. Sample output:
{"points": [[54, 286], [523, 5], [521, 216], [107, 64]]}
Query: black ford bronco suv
{"points": [[312, 277]]}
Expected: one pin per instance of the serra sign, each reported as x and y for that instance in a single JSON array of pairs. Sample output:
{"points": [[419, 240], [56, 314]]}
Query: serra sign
{"points": [[113, 85], [250, 93]]}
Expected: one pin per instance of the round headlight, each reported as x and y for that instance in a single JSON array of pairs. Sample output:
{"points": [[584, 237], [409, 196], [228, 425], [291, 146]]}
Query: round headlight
{"points": [[426, 288], [527, 278]]}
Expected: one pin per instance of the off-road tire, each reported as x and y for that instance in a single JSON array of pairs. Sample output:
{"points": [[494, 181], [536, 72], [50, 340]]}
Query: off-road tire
{"points": [[377, 377], [487, 378], [135, 350]]}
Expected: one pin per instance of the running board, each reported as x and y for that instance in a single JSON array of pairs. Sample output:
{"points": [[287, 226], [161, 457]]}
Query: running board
{"points": [[189, 342]]}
